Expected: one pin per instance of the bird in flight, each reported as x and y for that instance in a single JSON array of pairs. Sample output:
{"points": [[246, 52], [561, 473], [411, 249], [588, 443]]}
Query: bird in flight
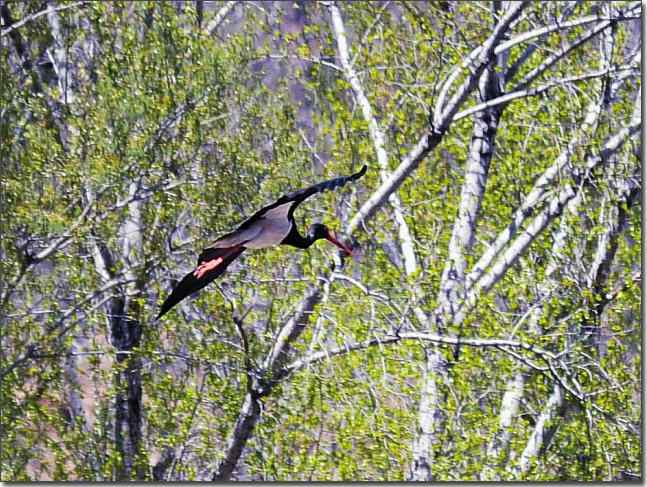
{"points": [[269, 226]]}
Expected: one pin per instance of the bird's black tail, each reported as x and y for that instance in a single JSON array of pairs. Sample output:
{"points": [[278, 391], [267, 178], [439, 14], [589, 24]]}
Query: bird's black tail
{"points": [[190, 283]]}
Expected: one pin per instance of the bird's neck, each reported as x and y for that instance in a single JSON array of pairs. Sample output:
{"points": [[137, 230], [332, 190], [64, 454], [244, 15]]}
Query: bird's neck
{"points": [[295, 239]]}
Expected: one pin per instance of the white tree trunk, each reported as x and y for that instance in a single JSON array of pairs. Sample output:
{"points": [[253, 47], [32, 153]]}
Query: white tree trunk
{"points": [[377, 138]]}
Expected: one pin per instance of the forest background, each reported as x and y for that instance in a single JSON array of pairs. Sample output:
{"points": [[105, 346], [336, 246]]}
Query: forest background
{"points": [[488, 326]]}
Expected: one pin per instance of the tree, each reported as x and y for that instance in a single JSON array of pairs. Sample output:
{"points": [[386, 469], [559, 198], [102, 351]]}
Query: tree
{"points": [[486, 329]]}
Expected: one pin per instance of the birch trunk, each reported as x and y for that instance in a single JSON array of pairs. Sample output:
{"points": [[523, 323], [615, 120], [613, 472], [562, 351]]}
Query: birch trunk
{"points": [[125, 335], [430, 416], [377, 138]]}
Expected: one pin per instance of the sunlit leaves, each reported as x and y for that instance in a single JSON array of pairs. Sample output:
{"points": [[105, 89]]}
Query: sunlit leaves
{"points": [[212, 127]]}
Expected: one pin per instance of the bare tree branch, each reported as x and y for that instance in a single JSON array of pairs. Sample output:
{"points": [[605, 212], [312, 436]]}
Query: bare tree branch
{"points": [[32, 17], [424, 146], [444, 113], [248, 416], [536, 440], [558, 83], [519, 39], [415, 336], [442, 121], [477, 166], [320, 61], [57, 244], [220, 16], [478, 54], [554, 208], [630, 13], [267, 379], [561, 53], [514, 67], [538, 193], [509, 409]]}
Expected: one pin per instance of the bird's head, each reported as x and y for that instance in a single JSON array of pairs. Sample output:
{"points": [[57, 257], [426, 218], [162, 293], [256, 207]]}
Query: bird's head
{"points": [[318, 231]]}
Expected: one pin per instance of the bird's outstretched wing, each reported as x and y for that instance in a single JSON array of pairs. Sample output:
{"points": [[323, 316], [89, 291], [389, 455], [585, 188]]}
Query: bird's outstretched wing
{"points": [[297, 197], [290, 200], [192, 283]]}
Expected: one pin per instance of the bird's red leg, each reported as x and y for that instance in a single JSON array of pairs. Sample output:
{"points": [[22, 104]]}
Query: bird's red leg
{"points": [[205, 267]]}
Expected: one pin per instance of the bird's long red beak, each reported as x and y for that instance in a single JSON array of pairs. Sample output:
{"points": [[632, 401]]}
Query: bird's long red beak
{"points": [[331, 237]]}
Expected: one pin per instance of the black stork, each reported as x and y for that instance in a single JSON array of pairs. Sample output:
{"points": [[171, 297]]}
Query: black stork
{"points": [[269, 226]]}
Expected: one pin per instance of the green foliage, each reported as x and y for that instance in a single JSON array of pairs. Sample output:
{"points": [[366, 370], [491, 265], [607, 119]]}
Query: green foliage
{"points": [[208, 131]]}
